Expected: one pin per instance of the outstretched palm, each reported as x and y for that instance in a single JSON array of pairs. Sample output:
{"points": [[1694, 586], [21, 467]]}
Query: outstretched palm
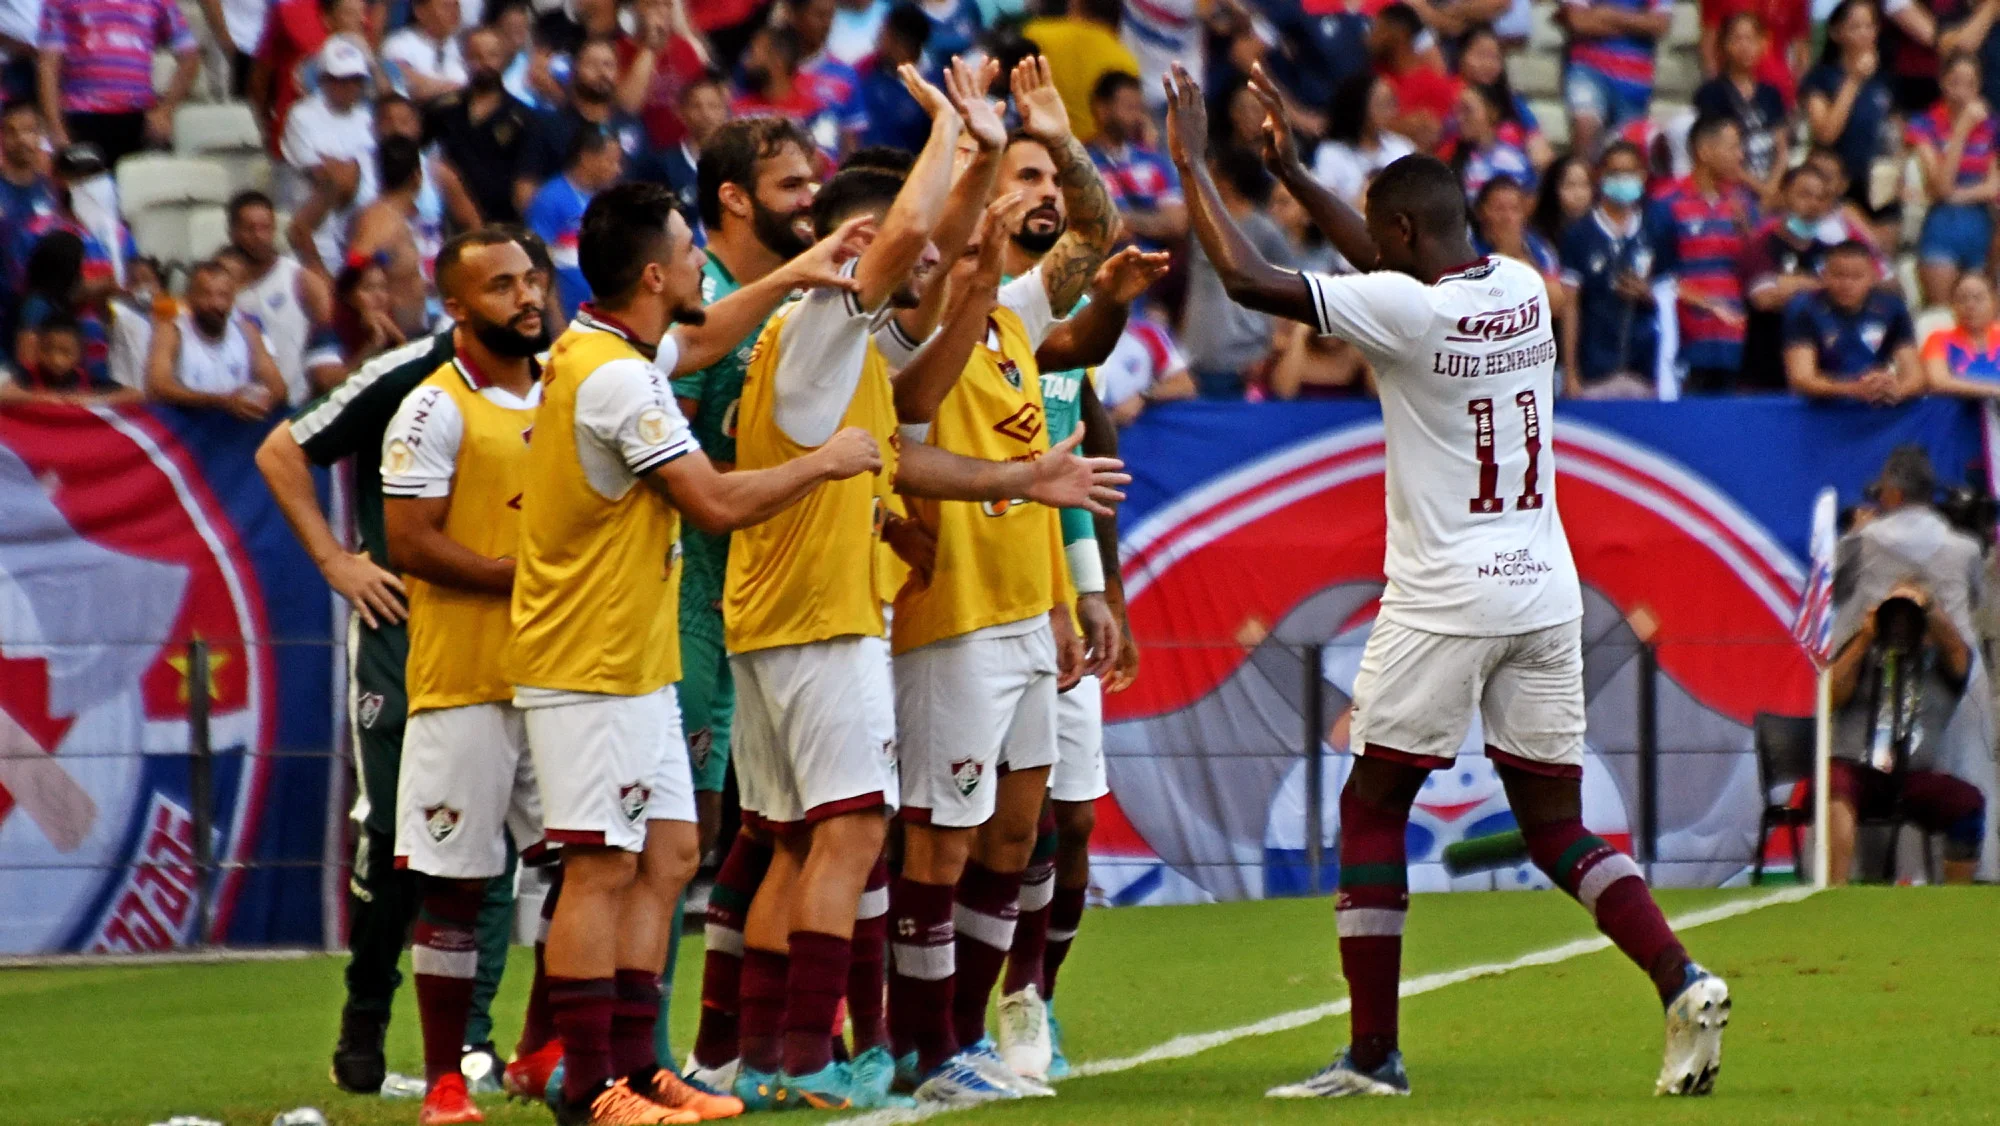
{"points": [[1187, 118], [1281, 145], [1042, 114], [966, 86]]}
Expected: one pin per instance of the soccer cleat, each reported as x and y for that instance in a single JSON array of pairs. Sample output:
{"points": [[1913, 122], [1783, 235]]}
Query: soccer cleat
{"points": [[874, 1073], [1024, 1033], [714, 1080], [1058, 1062], [907, 1077], [1695, 1020], [829, 1088], [986, 1058], [957, 1083], [617, 1104], [358, 1064], [669, 1089], [761, 1090], [480, 1064], [527, 1077], [1342, 1079], [447, 1103]]}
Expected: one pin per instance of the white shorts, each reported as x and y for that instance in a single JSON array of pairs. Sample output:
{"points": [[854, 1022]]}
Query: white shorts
{"points": [[815, 732], [608, 765], [1417, 692], [966, 709], [466, 782], [1078, 774]]}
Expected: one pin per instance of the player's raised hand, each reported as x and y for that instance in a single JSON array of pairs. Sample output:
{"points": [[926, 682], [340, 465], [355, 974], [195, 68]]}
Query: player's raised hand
{"points": [[1187, 118], [1100, 635], [1042, 114], [932, 99], [1062, 479], [819, 267], [965, 86], [1004, 217], [851, 452], [1127, 274], [1281, 145]]}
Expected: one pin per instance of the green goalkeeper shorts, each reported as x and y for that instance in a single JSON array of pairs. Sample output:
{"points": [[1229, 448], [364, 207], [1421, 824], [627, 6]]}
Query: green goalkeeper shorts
{"points": [[707, 692]]}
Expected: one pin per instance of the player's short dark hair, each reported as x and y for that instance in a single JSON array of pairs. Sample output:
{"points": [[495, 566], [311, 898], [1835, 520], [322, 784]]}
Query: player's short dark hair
{"points": [[588, 142], [850, 192], [1624, 147], [1708, 125], [908, 23], [1402, 16], [623, 229], [880, 158], [399, 161], [538, 251], [452, 254], [60, 322], [1851, 248], [732, 154], [245, 200], [1113, 83], [708, 77], [1424, 188]]}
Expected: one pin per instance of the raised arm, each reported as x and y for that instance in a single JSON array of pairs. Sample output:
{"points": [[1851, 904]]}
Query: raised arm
{"points": [[1249, 280], [978, 167], [933, 372], [723, 502], [1058, 479], [911, 220], [1335, 217], [736, 316], [1093, 219], [1087, 338]]}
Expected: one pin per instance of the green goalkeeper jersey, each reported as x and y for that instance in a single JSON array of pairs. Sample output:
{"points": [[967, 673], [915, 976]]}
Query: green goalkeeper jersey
{"points": [[1062, 412], [715, 389]]}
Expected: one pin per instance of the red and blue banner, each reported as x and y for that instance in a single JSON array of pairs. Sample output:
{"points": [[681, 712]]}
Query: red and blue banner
{"points": [[125, 535], [1252, 548]]}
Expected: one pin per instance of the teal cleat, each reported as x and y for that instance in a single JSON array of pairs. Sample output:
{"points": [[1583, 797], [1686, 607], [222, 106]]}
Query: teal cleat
{"points": [[908, 1078], [761, 1090], [874, 1073], [1058, 1062], [829, 1088]]}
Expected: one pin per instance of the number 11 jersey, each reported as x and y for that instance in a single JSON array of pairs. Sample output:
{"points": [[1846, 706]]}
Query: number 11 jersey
{"points": [[1466, 370]]}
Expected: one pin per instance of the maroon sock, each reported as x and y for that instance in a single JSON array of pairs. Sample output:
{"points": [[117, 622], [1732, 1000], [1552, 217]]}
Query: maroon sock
{"points": [[984, 918], [537, 1026], [633, 1016], [722, 964], [1611, 888], [1374, 899], [865, 967], [1026, 958], [762, 1010], [1065, 916], [582, 1010], [445, 957], [922, 960], [817, 981]]}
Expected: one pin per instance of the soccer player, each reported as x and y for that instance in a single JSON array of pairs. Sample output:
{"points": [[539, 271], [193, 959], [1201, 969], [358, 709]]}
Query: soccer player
{"points": [[611, 470], [815, 730], [452, 465], [1482, 614], [979, 645]]}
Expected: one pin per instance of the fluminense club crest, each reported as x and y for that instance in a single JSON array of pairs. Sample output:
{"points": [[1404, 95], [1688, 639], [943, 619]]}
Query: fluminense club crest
{"points": [[966, 773], [632, 799], [441, 821]]}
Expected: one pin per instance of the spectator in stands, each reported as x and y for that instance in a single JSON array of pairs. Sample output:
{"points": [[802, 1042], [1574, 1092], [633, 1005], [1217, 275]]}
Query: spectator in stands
{"points": [[1236, 119], [526, 72], [132, 312], [58, 374], [1974, 28], [1611, 345], [1144, 368], [96, 72], [1566, 195], [1909, 582], [1964, 359], [1142, 181], [427, 50], [768, 80], [556, 214], [211, 357], [1786, 30], [1757, 107], [1425, 95], [20, 27], [362, 326], [1849, 339], [1311, 252], [856, 33], [956, 26], [894, 117], [1317, 53], [24, 163], [290, 303], [1701, 225], [443, 196], [482, 131], [329, 151], [655, 64], [704, 109], [391, 230], [1500, 226], [1608, 79], [1954, 144], [1782, 262], [1847, 101], [293, 37], [58, 287], [1482, 64], [1909, 52], [1082, 46], [832, 83], [1360, 137], [1227, 344], [1479, 154], [592, 104], [79, 174]]}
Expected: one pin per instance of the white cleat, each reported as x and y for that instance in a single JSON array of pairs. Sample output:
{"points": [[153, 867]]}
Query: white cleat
{"points": [[719, 1078], [1024, 1034], [985, 1059], [957, 1083], [1695, 1020], [1342, 1079]]}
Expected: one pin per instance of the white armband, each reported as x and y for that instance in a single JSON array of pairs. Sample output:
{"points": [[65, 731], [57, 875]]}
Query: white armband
{"points": [[1086, 567], [917, 432]]}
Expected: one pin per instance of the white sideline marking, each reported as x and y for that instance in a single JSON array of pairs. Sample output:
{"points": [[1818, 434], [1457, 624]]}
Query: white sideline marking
{"points": [[1180, 1047]]}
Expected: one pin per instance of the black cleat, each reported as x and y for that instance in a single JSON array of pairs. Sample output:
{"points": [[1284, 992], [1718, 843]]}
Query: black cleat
{"points": [[359, 1066]]}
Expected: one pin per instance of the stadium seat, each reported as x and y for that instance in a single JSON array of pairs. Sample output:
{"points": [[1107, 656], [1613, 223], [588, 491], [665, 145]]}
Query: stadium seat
{"points": [[207, 231], [1677, 76], [147, 180], [1535, 74], [1685, 31], [1545, 36], [1931, 320], [226, 127], [1784, 746], [166, 230], [1553, 117]]}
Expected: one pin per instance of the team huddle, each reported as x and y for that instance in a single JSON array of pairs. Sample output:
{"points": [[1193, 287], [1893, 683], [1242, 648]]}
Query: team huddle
{"points": [[816, 501]]}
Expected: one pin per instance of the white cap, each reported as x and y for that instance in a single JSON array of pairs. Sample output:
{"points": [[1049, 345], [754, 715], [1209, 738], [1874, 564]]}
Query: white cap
{"points": [[343, 58]]}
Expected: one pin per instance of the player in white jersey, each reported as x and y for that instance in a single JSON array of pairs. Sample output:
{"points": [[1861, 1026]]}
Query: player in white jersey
{"points": [[1482, 613]]}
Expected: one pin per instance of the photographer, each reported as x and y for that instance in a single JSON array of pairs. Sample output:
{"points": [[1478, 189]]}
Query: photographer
{"points": [[1907, 582]]}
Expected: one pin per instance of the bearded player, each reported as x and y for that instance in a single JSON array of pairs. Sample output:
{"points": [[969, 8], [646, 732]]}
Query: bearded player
{"points": [[611, 470], [816, 731], [1470, 482], [453, 459]]}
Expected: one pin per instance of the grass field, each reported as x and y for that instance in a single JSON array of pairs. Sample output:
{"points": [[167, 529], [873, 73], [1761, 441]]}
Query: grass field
{"points": [[1861, 1005]]}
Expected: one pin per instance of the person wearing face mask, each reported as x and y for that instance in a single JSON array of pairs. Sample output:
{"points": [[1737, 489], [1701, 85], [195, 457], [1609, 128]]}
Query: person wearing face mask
{"points": [[1782, 262], [482, 129], [1611, 341]]}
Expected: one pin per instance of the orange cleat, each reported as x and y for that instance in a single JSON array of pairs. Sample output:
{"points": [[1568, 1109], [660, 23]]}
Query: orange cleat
{"points": [[447, 1103], [617, 1104], [671, 1090], [528, 1076]]}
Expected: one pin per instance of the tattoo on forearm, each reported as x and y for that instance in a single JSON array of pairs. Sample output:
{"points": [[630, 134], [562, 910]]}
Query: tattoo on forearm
{"points": [[1093, 223]]}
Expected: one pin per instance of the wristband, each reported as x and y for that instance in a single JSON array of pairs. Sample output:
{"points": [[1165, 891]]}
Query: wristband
{"points": [[1086, 567], [917, 432]]}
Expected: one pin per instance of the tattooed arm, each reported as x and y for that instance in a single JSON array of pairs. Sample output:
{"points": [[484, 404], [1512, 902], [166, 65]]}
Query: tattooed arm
{"points": [[1093, 220]]}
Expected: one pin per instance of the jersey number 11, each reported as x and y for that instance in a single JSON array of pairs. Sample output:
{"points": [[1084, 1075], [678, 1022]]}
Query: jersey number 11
{"points": [[1489, 500]]}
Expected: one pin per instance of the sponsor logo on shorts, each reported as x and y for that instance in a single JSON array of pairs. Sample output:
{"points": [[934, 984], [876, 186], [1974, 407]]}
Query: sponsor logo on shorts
{"points": [[700, 743], [632, 799], [441, 821], [370, 708], [966, 773]]}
